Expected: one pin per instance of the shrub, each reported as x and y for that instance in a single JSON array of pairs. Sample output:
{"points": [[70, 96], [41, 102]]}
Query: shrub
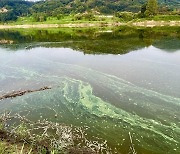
{"points": [[126, 16]]}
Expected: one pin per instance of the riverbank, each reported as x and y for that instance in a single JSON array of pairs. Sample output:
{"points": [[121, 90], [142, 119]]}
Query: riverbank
{"points": [[150, 23], [19, 135], [70, 25]]}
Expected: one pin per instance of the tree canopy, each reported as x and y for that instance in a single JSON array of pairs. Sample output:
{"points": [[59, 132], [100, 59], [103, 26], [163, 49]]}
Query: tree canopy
{"points": [[40, 9], [14, 8], [151, 8]]}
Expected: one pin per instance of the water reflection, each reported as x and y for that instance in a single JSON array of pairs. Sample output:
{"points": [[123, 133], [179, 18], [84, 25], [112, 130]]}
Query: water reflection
{"points": [[94, 41]]}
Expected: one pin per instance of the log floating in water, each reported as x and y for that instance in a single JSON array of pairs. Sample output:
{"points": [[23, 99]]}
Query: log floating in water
{"points": [[20, 93]]}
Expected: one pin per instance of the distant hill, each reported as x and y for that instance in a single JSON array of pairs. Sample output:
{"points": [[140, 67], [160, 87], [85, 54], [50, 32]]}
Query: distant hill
{"points": [[11, 9], [103, 6]]}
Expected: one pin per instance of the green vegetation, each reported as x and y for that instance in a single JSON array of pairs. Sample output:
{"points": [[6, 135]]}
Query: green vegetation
{"points": [[12, 9], [4, 149], [56, 7], [126, 16], [13, 148], [65, 19], [166, 17], [67, 11], [151, 8], [150, 11]]}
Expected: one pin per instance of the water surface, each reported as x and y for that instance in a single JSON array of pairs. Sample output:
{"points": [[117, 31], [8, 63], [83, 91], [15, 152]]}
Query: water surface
{"points": [[113, 81]]}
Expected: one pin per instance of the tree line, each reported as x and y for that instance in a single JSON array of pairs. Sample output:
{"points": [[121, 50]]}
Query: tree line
{"points": [[58, 8]]}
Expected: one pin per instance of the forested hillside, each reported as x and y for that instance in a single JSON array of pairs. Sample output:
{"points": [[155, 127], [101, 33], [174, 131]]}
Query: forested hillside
{"points": [[103, 6], [12, 9]]}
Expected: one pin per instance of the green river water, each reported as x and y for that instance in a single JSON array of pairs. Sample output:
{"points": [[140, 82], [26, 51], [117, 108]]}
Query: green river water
{"points": [[114, 81]]}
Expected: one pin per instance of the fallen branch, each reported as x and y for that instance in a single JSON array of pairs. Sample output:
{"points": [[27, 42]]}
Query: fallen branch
{"points": [[20, 93]]}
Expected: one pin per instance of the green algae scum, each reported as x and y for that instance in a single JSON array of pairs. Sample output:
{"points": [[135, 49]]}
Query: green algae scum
{"points": [[121, 84]]}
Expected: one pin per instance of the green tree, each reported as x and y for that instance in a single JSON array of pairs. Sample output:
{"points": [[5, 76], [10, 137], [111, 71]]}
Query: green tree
{"points": [[143, 8], [40, 17], [151, 8]]}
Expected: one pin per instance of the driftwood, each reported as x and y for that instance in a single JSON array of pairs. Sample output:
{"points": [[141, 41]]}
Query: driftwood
{"points": [[20, 93]]}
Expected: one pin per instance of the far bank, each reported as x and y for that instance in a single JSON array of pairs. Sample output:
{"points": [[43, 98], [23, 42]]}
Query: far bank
{"points": [[146, 23]]}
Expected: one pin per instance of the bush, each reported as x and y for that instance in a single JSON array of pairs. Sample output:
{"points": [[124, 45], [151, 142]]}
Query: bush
{"points": [[9, 16], [126, 16], [78, 16], [40, 17], [59, 16], [85, 16]]}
